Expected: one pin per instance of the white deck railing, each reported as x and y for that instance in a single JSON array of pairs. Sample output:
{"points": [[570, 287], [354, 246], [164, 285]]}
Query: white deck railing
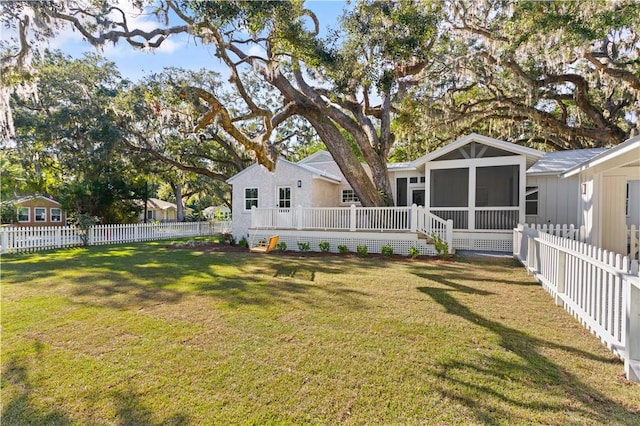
{"points": [[352, 219], [480, 218], [22, 239], [599, 288]]}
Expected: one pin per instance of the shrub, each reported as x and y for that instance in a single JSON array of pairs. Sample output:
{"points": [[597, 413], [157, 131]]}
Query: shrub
{"points": [[441, 246], [304, 246], [243, 242], [343, 249], [83, 223], [227, 238], [324, 246], [414, 252], [362, 251], [386, 250], [281, 246]]}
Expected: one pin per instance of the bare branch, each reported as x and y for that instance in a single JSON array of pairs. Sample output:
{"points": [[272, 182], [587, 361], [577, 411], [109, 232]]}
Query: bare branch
{"points": [[217, 111]]}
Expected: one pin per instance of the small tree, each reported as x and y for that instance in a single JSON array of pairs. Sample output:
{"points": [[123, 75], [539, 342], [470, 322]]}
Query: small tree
{"points": [[83, 223], [7, 212]]}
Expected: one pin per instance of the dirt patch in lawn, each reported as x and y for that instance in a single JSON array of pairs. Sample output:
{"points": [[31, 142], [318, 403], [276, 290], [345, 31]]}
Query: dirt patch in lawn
{"points": [[214, 246]]}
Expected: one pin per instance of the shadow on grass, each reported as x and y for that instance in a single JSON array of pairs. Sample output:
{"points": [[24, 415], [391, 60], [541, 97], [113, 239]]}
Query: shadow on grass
{"points": [[135, 276], [19, 409], [131, 411], [532, 367]]}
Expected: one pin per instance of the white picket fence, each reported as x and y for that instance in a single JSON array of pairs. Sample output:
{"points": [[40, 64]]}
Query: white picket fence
{"points": [[579, 234], [599, 288], [25, 239]]}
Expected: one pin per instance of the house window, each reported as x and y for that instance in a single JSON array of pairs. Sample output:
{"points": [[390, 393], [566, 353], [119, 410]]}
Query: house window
{"points": [[40, 214], [349, 196], [413, 180], [56, 215], [151, 215], [422, 179], [531, 200], [284, 197], [250, 198], [23, 214]]}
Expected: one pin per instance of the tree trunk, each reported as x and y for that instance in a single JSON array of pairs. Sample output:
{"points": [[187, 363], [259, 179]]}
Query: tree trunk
{"points": [[177, 191], [347, 161]]}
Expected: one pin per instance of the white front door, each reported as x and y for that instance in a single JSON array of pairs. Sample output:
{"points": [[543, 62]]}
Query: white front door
{"points": [[285, 214]]}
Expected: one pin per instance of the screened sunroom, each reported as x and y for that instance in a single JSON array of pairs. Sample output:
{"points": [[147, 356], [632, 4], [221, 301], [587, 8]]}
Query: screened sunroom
{"points": [[478, 182]]}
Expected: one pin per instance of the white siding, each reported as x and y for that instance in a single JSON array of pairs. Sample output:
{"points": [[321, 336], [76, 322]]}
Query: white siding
{"points": [[288, 174], [557, 199], [633, 218], [614, 236]]}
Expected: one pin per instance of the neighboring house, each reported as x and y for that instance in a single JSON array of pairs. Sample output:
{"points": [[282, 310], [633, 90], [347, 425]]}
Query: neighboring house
{"points": [[609, 194], [217, 212], [39, 210], [161, 211], [484, 185]]}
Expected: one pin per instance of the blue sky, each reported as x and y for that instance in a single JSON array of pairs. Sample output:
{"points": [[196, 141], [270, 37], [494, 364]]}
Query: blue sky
{"points": [[182, 51]]}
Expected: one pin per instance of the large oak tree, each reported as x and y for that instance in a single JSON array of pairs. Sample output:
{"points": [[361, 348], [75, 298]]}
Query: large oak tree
{"points": [[551, 74], [345, 87]]}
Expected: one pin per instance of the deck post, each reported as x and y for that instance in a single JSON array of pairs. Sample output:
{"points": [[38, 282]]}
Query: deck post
{"points": [[414, 217], [299, 218], [352, 218], [449, 232], [253, 217]]}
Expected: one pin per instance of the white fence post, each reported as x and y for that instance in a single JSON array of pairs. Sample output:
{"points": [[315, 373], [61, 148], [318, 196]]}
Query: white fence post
{"points": [[632, 338], [58, 237], [5, 241], [561, 277]]}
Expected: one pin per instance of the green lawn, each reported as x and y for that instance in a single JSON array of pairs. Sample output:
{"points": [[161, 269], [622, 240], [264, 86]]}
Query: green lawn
{"points": [[142, 335]]}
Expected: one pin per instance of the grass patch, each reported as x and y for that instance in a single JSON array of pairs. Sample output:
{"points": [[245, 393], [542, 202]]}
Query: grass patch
{"points": [[142, 334]]}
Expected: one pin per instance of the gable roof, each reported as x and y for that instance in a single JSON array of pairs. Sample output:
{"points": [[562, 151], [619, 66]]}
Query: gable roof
{"points": [[624, 154], [155, 203], [26, 198], [316, 173], [532, 155], [321, 156], [561, 161]]}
